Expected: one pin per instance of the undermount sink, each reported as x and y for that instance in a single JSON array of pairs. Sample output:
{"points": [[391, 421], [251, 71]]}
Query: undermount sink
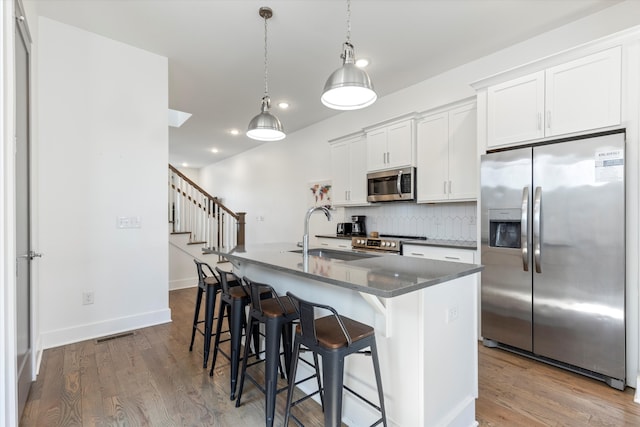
{"points": [[336, 254]]}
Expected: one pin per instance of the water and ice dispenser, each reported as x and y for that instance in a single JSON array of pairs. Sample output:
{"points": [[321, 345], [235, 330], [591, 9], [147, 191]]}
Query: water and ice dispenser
{"points": [[504, 228]]}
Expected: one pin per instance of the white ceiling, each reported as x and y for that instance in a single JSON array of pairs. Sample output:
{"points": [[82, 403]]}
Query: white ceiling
{"points": [[215, 51]]}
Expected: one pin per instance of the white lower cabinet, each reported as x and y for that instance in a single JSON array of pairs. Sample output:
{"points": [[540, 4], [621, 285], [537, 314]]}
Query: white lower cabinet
{"points": [[439, 253]]}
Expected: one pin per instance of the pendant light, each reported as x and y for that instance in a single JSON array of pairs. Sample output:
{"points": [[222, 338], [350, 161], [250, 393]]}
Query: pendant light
{"points": [[349, 87], [265, 126]]}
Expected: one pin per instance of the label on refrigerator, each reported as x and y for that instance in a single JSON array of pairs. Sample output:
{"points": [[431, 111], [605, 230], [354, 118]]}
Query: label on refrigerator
{"points": [[609, 165]]}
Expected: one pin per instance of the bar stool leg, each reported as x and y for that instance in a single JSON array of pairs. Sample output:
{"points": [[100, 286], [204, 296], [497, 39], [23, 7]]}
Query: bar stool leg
{"points": [[252, 324], [287, 345], [376, 369], [208, 321], [273, 329], [292, 380], [195, 318], [223, 306], [237, 312], [332, 372]]}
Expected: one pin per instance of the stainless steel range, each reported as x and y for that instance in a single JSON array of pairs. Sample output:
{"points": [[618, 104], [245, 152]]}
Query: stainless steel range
{"points": [[389, 244], [376, 244]]}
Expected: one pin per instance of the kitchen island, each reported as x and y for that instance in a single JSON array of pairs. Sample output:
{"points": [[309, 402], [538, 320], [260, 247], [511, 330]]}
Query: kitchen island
{"points": [[424, 313]]}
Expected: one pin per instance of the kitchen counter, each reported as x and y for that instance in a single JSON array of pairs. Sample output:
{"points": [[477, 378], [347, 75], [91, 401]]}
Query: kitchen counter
{"points": [[381, 275], [424, 313]]}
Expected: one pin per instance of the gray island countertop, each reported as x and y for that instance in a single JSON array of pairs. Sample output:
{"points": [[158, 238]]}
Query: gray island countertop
{"points": [[385, 276]]}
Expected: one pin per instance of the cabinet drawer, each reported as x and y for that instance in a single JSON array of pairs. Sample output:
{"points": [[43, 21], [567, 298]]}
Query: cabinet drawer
{"points": [[439, 253]]}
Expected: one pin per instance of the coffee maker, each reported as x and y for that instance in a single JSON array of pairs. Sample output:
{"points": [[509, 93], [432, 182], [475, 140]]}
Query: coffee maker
{"points": [[358, 227]]}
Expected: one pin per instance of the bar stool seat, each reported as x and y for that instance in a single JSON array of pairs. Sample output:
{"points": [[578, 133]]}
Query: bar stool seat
{"points": [[277, 314], [209, 287], [332, 337]]}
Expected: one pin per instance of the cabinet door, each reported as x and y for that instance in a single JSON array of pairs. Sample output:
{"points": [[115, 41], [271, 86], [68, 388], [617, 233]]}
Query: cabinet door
{"points": [[400, 144], [584, 94], [377, 149], [463, 159], [515, 110], [358, 171], [340, 172], [433, 158]]}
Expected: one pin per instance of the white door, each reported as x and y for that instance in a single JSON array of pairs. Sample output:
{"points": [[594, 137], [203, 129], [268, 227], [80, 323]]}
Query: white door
{"points": [[24, 351]]}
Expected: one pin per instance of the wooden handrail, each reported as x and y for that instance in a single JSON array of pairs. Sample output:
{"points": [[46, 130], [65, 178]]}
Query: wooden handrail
{"points": [[215, 200]]}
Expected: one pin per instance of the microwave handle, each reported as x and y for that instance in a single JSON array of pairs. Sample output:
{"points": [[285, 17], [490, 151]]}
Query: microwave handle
{"points": [[399, 183]]}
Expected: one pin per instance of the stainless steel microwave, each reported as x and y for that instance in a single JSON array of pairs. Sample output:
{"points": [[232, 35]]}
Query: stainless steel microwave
{"points": [[392, 185]]}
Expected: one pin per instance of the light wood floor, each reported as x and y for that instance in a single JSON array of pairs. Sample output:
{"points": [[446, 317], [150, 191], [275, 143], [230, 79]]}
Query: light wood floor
{"points": [[151, 379]]}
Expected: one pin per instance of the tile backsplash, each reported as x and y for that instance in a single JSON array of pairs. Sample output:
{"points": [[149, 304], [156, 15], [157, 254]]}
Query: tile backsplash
{"points": [[447, 221]]}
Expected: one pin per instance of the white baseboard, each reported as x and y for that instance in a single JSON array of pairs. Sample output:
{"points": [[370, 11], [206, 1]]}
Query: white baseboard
{"points": [[108, 327], [636, 397], [183, 283]]}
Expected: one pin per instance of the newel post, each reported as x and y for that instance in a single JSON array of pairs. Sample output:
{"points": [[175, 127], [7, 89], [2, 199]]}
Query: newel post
{"points": [[241, 224]]}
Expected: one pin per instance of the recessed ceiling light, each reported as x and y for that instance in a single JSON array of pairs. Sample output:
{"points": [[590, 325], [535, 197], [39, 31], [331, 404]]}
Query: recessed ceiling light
{"points": [[185, 165], [283, 105], [234, 132], [214, 150], [362, 63]]}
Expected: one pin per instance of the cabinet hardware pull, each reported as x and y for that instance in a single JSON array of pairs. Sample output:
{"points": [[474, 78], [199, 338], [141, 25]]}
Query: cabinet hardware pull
{"points": [[417, 254], [444, 187], [548, 119], [539, 121], [452, 257]]}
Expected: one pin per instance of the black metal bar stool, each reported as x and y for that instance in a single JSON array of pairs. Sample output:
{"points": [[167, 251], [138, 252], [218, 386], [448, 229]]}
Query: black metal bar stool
{"points": [[277, 314], [333, 337], [234, 298], [209, 286]]}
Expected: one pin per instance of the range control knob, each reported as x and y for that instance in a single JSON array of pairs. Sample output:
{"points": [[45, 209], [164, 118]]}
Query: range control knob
{"points": [[393, 244]]}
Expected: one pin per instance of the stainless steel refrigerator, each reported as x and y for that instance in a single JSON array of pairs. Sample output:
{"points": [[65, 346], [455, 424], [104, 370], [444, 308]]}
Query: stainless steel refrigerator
{"points": [[553, 250]]}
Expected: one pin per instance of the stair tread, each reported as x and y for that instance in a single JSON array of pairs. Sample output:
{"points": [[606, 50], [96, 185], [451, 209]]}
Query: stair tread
{"points": [[180, 232], [196, 243]]}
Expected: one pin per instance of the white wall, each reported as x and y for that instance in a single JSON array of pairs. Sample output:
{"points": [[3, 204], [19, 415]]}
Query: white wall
{"points": [[103, 153], [270, 181]]}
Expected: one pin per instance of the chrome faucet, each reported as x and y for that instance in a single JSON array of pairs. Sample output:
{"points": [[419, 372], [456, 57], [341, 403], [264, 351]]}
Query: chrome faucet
{"points": [[305, 238]]}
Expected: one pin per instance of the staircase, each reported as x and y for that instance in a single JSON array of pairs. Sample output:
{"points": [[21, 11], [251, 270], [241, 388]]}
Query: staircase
{"points": [[202, 218]]}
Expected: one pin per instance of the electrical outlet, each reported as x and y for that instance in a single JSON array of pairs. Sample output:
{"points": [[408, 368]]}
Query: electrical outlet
{"points": [[87, 297], [452, 314]]}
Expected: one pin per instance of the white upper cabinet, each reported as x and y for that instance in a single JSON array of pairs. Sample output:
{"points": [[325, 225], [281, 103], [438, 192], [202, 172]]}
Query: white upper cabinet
{"points": [[515, 110], [391, 146], [580, 95], [349, 170], [447, 155]]}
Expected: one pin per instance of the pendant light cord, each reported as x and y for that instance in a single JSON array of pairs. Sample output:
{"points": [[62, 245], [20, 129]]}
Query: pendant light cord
{"points": [[266, 91], [349, 21]]}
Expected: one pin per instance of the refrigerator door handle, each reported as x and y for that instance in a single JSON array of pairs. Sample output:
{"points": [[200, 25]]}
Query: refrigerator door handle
{"points": [[524, 241], [536, 230]]}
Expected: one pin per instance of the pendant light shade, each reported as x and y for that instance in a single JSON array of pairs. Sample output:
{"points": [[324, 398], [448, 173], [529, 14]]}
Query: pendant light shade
{"points": [[265, 126], [349, 87]]}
